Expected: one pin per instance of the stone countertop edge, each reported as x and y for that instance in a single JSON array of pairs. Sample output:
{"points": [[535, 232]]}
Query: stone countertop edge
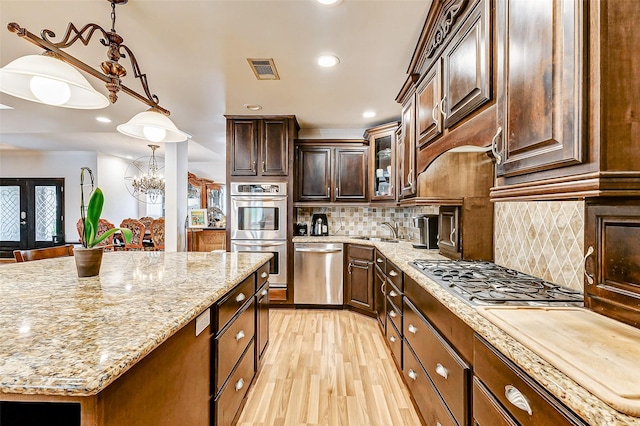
{"points": [[589, 407], [68, 336]]}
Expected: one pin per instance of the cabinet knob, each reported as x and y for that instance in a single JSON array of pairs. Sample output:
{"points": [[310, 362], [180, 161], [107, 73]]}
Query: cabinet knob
{"points": [[239, 385], [240, 297], [494, 146], [442, 108], [586, 274], [434, 113], [412, 329], [412, 374], [349, 267], [392, 293], [516, 397], [393, 273], [265, 292], [240, 335], [393, 339], [453, 231], [393, 314], [264, 275], [379, 260], [441, 371]]}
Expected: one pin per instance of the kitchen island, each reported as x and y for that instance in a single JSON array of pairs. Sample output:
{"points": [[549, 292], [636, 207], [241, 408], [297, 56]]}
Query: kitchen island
{"points": [[132, 344], [592, 410]]}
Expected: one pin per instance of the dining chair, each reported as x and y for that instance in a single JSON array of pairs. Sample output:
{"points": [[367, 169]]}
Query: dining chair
{"points": [[146, 221], [103, 226], [43, 253], [137, 230], [157, 234]]}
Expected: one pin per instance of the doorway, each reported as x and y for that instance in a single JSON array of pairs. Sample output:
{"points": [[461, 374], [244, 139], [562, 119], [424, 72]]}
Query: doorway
{"points": [[31, 214]]}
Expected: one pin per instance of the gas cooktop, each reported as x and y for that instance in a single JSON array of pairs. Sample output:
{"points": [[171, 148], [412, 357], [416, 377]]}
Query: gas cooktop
{"points": [[485, 283]]}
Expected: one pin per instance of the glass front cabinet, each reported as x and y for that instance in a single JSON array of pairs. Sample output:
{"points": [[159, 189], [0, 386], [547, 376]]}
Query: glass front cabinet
{"points": [[382, 161]]}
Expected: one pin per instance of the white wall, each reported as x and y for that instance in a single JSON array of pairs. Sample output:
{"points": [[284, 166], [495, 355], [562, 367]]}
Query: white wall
{"points": [[108, 171]]}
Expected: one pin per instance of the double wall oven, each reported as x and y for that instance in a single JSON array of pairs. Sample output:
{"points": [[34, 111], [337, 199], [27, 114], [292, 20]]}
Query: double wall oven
{"points": [[259, 223]]}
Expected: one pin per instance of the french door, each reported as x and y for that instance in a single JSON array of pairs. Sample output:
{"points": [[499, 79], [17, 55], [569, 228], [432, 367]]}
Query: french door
{"points": [[31, 214]]}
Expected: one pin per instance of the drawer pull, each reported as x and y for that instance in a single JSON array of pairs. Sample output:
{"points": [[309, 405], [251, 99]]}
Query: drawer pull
{"points": [[379, 260], [438, 424], [265, 292], [239, 385], [393, 339], [441, 371], [240, 335], [586, 274], [516, 397], [393, 293], [494, 146], [393, 273], [412, 374], [393, 314], [240, 297], [412, 328], [264, 275]]}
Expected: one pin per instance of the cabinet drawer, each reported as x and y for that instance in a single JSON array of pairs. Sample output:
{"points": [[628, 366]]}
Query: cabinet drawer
{"points": [[431, 407], [486, 410], [232, 302], [381, 262], [448, 372], [262, 275], [360, 252], [231, 344], [394, 295], [395, 275], [227, 405], [504, 378], [394, 340], [395, 315]]}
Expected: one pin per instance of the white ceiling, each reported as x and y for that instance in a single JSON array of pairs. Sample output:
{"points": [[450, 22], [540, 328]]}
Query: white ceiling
{"points": [[194, 54]]}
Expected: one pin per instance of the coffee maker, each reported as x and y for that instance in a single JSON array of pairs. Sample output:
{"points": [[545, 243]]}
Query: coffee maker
{"points": [[319, 224], [428, 226]]}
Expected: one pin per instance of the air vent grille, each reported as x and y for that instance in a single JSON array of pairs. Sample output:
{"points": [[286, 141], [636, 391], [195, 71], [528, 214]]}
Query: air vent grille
{"points": [[264, 68]]}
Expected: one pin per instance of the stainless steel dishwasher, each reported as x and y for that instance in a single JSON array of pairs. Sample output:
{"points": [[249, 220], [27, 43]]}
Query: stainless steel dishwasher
{"points": [[317, 273]]}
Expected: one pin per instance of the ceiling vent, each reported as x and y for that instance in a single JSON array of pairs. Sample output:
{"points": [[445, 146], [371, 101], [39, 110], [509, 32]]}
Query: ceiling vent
{"points": [[264, 68]]}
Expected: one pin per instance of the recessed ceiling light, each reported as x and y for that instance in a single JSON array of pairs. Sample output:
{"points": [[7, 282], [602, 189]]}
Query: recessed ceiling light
{"points": [[253, 107], [369, 114], [329, 2], [328, 61], [103, 119]]}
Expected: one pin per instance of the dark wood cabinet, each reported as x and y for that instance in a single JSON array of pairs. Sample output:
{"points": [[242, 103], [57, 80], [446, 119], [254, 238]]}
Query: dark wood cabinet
{"points": [[466, 68], [262, 314], [331, 171], [407, 148], [540, 109], [260, 146], [465, 231], [359, 278], [612, 262], [449, 231], [382, 161], [428, 105], [379, 297]]}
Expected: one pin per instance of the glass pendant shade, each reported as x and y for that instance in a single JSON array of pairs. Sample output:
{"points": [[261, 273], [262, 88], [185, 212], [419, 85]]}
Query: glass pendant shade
{"points": [[45, 79], [152, 126]]}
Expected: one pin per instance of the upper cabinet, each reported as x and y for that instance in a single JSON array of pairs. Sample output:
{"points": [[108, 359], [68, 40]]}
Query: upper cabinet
{"points": [[382, 161], [568, 108], [407, 148], [331, 171], [260, 146]]}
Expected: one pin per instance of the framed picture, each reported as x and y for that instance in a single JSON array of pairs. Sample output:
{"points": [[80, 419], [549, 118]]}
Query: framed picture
{"points": [[198, 218]]}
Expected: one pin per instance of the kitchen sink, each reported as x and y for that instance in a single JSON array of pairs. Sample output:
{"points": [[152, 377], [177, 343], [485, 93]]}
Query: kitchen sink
{"points": [[367, 238]]}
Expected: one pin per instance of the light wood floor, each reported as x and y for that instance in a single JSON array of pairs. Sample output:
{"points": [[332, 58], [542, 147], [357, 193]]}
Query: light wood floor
{"points": [[327, 367]]}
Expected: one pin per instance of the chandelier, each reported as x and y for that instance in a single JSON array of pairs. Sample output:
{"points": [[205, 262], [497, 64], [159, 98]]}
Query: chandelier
{"points": [[147, 186], [53, 78]]}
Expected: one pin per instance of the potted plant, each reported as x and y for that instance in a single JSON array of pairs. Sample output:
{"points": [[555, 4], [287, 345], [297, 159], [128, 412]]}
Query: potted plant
{"points": [[89, 257]]}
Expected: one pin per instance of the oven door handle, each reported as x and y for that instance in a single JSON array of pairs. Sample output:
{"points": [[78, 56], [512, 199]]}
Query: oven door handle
{"points": [[259, 244], [304, 250], [258, 198]]}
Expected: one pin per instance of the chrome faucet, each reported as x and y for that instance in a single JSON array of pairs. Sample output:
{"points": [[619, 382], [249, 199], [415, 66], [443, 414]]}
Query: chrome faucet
{"points": [[394, 228]]}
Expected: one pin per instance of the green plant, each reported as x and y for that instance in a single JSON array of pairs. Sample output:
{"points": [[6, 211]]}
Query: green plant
{"points": [[94, 210]]}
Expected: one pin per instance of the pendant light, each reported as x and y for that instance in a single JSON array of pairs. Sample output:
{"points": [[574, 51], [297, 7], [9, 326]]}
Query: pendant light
{"points": [[153, 126]]}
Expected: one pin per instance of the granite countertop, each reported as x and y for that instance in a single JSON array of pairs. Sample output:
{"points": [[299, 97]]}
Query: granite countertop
{"points": [[583, 403], [64, 335]]}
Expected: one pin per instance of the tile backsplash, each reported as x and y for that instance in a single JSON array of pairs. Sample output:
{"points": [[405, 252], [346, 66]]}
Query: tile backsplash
{"points": [[544, 239], [367, 220]]}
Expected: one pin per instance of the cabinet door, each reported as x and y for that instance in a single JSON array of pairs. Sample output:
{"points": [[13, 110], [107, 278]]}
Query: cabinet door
{"points": [[449, 232], [540, 88], [428, 114], [407, 150], [244, 147], [275, 147], [380, 298], [351, 174], [383, 148], [360, 284], [612, 266], [262, 323], [314, 174], [467, 65]]}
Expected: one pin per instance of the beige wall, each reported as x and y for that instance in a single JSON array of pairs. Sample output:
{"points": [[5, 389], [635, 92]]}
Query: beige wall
{"points": [[544, 239]]}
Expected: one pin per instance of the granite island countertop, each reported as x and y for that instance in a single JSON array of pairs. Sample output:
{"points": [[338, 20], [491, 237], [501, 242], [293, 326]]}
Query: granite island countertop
{"points": [[583, 403], [70, 336]]}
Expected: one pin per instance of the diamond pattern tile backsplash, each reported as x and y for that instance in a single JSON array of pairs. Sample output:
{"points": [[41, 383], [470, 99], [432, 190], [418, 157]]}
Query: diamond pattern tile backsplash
{"points": [[544, 239], [367, 220]]}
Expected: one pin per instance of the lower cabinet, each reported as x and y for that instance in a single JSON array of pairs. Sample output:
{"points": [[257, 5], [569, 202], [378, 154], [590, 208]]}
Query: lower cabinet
{"points": [[379, 297], [359, 278], [227, 404], [262, 323]]}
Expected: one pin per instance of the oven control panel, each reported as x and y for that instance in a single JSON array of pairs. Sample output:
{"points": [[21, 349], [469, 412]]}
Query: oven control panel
{"points": [[254, 188]]}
